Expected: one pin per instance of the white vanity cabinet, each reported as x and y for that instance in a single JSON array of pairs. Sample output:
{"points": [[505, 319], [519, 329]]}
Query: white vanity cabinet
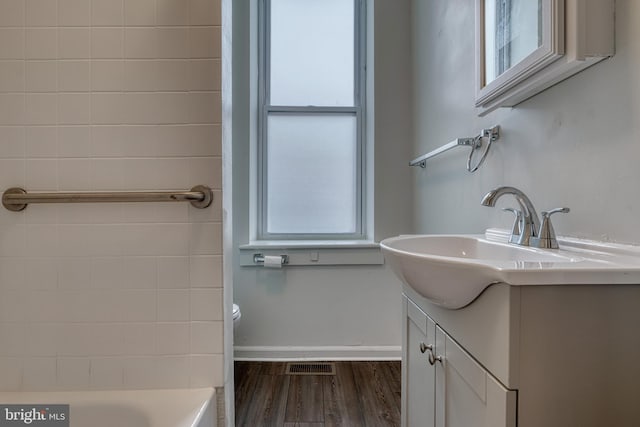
{"points": [[525, 356], [443, 386]]}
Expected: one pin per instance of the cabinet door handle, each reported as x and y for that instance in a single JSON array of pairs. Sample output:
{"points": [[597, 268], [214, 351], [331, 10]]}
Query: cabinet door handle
{"points": [[424, 347], [433, 358]]}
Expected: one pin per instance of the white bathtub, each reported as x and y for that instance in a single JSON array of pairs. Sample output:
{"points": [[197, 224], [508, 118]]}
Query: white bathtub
{"points": [[130, 408]]}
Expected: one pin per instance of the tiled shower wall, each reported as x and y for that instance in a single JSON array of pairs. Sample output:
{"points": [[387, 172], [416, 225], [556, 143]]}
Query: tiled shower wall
{"points": [[110, 95]]}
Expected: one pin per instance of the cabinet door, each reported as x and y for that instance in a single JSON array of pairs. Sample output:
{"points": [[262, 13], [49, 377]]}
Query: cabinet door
{"points": [[466, 394], [418, 376]]}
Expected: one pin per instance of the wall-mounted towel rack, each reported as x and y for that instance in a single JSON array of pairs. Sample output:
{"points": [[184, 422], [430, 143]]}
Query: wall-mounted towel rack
{"points": [[16, 199], [475, 143]]}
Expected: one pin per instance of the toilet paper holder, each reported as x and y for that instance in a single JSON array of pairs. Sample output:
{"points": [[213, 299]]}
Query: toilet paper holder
{"points": [[260, 259]]}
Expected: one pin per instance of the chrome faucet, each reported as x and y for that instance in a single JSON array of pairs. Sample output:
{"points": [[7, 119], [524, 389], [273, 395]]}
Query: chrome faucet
{"points": [[529, 223], [526, 230]]}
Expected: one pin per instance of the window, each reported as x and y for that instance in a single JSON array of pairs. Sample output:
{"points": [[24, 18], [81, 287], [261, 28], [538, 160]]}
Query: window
{"points": [[311, 97]]}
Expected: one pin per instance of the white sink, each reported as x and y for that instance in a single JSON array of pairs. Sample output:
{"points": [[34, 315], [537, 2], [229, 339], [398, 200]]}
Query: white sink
{"points": [[452, 270]]}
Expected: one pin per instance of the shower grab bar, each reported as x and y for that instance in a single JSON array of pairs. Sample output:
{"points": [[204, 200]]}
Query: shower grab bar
{"points": [[17, 199], [475, 143]]}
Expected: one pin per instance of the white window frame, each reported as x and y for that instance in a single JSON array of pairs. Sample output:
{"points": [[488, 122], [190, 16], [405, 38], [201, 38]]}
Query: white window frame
{"points": [[265, 109]]}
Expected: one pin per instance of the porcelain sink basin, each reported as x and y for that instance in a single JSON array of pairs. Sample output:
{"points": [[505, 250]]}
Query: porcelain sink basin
{"points": [[452, 270]]}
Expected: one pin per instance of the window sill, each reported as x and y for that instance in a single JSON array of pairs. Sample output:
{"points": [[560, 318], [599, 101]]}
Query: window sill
{"points": [[314, 253]]}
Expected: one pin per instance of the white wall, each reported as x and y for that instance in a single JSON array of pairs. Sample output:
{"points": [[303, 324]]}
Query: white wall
{"points": [[110, 95], [348, 311], [574, 145]]}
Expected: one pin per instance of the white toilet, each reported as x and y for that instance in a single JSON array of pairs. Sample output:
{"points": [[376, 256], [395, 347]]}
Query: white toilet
{"points": [[236, 315]]}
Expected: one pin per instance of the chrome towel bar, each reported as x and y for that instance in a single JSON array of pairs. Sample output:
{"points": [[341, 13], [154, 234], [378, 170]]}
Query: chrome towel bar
{"points": [[16, 199], [475, 143]]}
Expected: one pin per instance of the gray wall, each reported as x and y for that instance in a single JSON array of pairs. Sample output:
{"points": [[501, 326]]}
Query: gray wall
{"points": [[576, 144], [330, 307]]}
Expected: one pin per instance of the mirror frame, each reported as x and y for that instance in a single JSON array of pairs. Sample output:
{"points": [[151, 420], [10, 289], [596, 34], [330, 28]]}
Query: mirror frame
{"points": [[552, 48]]}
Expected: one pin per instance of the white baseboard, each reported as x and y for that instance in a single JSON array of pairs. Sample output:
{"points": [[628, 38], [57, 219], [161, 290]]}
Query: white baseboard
{"points": [[275, 353]]}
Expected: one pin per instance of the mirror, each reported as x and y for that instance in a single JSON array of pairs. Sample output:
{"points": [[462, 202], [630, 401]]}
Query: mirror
{"points": [[525, 46], [512, 31], [515, 38]]}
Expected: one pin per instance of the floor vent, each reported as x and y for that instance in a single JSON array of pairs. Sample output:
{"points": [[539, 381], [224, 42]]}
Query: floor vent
{"points": [[310, 368]]}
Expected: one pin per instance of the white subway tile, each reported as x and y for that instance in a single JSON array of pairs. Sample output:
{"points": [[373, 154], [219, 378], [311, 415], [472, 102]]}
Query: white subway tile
{"points": [[13, 142], [140, 42], [140, 372], [206, 171], [206, 304], [12, 76], [206, 337], [173, 338], [139, 12], [39, 373], [74, 175], [41, 43], [42, 273], [156, 239], [156, 212], [107, 76], [73, 272], [41, 108], [172, 12], [108, 108], [43, 339], [74, 43], [206, 271], [207, 370], [42, 141], [106, 373], [12, 43], [204, 12], [41, 13], [206, 107], [74, 76], [74, 141], [173, 75], [205, 75], [42, 175], [74, 240], [12, 273], [13, 336], [42, 239], [173, 42], [124, 305], [14, 306], [106, 240], [152, 174], [107, 174], [107, 13], [107, 272], [140, 272], [206, 238], [13, 242], [173, 272], [11, 13], [74, 108], [11, 373], [107, 43], [74, 13], [205, 42], [41, 76], [173, 305], [73, 373], [173, 371], [140, 76], [42, 214], [139, 339], [12, 107]]}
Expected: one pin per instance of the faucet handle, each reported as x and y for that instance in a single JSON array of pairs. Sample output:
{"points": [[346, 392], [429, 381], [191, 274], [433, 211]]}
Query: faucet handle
{"points": [[516, 228], [547, 235]]}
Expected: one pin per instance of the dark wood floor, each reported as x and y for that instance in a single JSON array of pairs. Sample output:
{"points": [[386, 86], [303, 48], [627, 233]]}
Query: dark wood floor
{"points": [[361, 394]]}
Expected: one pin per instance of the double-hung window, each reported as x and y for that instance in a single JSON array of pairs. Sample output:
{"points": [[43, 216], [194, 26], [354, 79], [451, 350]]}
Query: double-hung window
{"points": [[311, 131]]}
